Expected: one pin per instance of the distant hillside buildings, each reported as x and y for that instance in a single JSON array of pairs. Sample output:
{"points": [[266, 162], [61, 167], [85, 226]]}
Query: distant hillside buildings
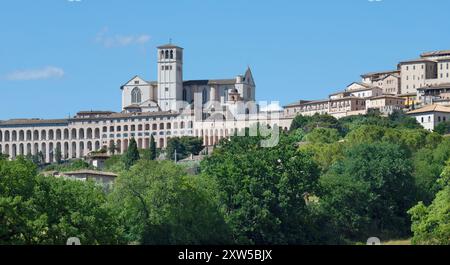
{"points": [[415, 84]]}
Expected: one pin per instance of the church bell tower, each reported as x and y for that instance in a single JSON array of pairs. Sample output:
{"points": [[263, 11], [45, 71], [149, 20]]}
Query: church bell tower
{"points": [[170, 77]]}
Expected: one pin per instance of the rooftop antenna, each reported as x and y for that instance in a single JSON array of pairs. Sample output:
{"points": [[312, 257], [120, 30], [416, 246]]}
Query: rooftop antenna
{"points": [[170, 40]]}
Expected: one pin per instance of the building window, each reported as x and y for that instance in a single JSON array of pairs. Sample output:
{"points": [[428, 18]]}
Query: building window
{"points": [[171, 54], [136, 96], [204, 96], [167, 54], [184, 94]]}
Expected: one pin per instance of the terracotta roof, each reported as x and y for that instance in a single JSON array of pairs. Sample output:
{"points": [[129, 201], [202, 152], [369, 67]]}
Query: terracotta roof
{"points": [[431, 108], [210, 82], [408, 94], [90, 172], [387, 96], [380, 73], [307, 102], [435, 53], [93, 112], [419, 60], [440, 86], [33, 122]]}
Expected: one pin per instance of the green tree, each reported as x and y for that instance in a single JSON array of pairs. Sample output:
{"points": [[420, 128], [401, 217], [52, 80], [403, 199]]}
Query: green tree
{"points": [[323, 135], [443, 128], [112, 148], [431, 225], [184, 146], [308, 123], [132, 154], [369, 192], [72, 208], [152, 148], [262, 190], [58, 156], [428, 164], [158, 203]]}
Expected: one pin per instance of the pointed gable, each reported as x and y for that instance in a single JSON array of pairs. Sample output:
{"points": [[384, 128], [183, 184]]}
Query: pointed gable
{"points": [[249, 77], [135, 81]]}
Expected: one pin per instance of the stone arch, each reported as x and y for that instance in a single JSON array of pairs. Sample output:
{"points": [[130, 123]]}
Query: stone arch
{"points": [[43, 135], [66, 150], [35, 135], [51, 135], [81, 133], [119, 146], [14, 136], [125, 145], [29, 135], [21, 135], [74, 150], [44, 151], [136, 96], [51, 152], [28, 151], [97, 133], [89, 146], [21, 149], [89, 133], [81, 149], [66, 134], [74, 134], [58, 134], [13, 151], [7, 136], [36, 149]]}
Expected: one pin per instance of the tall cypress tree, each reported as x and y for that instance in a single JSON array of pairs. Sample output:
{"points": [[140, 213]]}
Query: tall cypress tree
{"points": [[132, 154], [152, 148]]}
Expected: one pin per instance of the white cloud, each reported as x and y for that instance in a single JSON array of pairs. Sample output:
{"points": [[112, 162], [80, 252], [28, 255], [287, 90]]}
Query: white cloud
{"points": [[47, 72], [120, 40]]}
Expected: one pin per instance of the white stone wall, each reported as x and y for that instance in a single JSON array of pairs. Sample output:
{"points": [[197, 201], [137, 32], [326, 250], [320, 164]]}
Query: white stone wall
{"points": [[431, 119]]}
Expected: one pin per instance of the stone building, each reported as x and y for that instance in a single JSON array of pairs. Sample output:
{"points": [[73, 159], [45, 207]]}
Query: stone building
{"points": [[169, 107]]}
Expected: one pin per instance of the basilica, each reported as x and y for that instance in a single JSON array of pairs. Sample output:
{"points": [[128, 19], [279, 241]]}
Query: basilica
{"points": [[210, 109]]}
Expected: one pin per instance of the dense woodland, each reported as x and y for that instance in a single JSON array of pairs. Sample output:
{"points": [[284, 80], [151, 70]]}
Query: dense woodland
{"points": [[328, 181]]}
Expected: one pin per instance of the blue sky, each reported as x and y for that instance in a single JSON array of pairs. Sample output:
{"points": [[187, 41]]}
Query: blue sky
{"points": [[58, 57]]}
